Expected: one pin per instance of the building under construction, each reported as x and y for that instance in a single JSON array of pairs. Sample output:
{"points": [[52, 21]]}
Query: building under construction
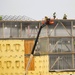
{"points": [[54, 53]]}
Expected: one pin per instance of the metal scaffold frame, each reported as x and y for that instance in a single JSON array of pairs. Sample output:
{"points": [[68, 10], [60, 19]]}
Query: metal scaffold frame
{"points": [[16, 18], [72, 51]]}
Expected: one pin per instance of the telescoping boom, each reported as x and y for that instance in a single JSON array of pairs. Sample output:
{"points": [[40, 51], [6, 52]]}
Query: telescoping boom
{"points": [[45, 22]]}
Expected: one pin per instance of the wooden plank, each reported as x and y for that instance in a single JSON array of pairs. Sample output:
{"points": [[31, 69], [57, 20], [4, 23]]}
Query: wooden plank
{"points": [[28, 45]]}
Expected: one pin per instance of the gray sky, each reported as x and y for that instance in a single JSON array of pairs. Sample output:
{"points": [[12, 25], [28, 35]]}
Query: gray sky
{"points": [[37, 9]]}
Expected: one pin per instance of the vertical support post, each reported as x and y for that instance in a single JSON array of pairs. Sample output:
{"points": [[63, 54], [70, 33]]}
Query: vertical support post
{"points": [[72, 45], [11, 30], [21, 30], [3, 30]]}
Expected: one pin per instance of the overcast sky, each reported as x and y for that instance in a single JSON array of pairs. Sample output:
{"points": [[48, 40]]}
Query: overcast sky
{"points": [[37, 9]]}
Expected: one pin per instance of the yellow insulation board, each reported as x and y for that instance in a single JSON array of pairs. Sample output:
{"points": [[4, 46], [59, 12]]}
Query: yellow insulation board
{"points": [[12, 57]]}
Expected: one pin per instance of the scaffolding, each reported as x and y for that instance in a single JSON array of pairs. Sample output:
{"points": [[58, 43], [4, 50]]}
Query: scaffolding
{"points": [[60, 45]]}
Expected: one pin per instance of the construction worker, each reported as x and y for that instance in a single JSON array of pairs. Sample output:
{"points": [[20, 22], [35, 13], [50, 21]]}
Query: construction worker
{"points": [[47, 20], [65, 16], [54, 15]]}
